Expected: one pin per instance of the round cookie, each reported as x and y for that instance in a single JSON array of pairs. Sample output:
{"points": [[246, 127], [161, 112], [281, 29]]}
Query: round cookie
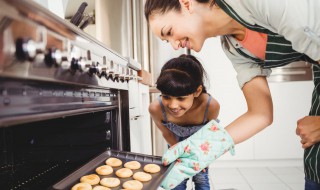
{"points": [[114, 162], [142, 176], [82, 186], [92, 179], [99, 187], [134, 165], [132, 184], [151, 168], [124, 172], [110, 182], [104, 170]]}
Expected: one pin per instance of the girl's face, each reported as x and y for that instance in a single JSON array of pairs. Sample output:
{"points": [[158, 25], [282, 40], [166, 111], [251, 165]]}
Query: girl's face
{"points": [[180, 29], [177, 106]]}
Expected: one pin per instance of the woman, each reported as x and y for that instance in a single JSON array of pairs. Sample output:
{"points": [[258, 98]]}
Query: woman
{"points": [[256, 35]]}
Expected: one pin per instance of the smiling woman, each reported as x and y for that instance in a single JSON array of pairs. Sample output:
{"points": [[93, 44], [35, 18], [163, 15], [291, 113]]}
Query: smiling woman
{"points": [[285, 38]]}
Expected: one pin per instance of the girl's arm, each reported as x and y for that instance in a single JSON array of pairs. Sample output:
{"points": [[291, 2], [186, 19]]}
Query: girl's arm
{"points": [[214, 109], [259, 114], [156, 113]]}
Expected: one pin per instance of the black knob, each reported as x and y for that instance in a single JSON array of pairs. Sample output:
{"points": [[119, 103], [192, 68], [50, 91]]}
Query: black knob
{"points": [[74, 65], [25, 49], [53, 57], [93, 70]]}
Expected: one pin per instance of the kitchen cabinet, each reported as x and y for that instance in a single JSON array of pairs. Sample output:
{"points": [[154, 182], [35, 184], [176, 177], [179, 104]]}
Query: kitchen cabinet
{"points": [[140, 123]]}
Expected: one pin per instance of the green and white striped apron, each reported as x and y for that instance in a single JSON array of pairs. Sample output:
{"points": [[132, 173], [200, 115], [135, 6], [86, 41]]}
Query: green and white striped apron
{"points": [[279, 52]]}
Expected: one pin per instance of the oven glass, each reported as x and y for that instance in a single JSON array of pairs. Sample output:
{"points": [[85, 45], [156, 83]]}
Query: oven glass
{"points": [[36, 154]]}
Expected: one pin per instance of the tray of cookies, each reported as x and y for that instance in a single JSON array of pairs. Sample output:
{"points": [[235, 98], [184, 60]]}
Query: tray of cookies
{"points": [[117, 170]]}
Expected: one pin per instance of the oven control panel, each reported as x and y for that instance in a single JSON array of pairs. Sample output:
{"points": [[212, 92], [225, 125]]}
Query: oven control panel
{"points": [[39, 45]]}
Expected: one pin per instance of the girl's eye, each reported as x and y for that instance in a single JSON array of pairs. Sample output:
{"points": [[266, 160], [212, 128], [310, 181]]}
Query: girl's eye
{"points": [[180, 98], [165, 97]]}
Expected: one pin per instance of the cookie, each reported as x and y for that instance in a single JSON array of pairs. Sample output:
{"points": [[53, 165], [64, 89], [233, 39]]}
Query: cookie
{"points": [[142, 176], [124, 172], [92, 179], [104, 170], [110, 182], [132, 184], [134, 165], [82, 186], [99, 187], [113, 162], [151, 168]]}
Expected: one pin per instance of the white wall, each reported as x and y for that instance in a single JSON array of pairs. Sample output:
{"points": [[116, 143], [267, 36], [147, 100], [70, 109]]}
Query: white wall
{"points": [[291, 102]]}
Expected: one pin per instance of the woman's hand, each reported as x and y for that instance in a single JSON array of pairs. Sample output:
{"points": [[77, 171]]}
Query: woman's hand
{"points": [[308, 128]]}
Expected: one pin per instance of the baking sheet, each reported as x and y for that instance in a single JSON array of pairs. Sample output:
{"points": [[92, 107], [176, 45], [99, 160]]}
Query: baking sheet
{"points": [[89, 168]]}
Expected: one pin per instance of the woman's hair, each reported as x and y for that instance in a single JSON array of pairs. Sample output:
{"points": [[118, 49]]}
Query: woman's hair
{"points": [[162, 6], [181, 76]]}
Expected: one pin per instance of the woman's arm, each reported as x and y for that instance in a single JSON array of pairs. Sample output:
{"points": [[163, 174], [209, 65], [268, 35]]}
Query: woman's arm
{"points": [[259, 114], [156, 113]]}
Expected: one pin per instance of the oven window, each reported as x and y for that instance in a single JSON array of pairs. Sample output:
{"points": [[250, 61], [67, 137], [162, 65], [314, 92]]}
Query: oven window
{"points": [[41, 153]]}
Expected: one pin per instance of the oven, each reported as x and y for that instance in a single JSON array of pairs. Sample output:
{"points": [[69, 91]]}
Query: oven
{"points": [[63, 98]]}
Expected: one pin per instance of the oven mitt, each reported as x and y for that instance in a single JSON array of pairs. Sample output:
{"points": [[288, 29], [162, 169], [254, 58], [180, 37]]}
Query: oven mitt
{"points": [[195, 153]]}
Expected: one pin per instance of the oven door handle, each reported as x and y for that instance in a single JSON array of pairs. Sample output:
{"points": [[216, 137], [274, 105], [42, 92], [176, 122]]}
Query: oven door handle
{"points": [[135, 117]]}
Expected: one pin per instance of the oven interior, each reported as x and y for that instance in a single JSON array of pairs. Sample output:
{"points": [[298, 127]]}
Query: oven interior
{"points": [[48, 130], [40, 153]]}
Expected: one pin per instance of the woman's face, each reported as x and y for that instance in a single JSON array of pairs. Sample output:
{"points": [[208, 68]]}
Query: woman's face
{"points": [[180, 29], [177, 106]]}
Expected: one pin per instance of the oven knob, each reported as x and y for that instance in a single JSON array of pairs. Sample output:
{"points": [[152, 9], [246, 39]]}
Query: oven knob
{"points": [[53, 57], [110, 75], [74, 66], [94, 70], [25, 49], [84, 65], [103, 72]]}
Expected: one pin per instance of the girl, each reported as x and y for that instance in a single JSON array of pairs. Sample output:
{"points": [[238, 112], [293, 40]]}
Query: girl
{"points": [[256, 35], [184, 106]]}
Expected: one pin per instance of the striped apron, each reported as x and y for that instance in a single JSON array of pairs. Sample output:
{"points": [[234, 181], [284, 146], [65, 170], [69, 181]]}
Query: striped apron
{"points": [[279, 52]]}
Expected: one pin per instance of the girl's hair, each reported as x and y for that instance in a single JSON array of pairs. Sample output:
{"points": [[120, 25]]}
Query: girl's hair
{"points": [[181, 76], [162, 6]]}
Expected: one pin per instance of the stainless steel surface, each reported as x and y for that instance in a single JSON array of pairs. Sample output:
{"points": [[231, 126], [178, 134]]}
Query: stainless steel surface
{"points": [[39, 45], [296, 71], [122, 28], [49, 68], [114, 25]]}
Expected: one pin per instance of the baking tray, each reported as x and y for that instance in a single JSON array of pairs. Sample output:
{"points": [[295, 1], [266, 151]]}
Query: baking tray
{"points": [[89, 168]]}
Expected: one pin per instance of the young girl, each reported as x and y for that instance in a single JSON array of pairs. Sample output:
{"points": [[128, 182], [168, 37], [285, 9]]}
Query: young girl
{"points": [[184, 106]]}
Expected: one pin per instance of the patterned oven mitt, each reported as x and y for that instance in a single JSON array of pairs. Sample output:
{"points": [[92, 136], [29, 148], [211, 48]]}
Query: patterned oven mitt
{"points": [[196, 152]]}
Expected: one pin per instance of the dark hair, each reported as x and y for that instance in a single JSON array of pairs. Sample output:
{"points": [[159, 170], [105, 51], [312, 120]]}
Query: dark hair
{"points": [[162, 6], [181, 76]]}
